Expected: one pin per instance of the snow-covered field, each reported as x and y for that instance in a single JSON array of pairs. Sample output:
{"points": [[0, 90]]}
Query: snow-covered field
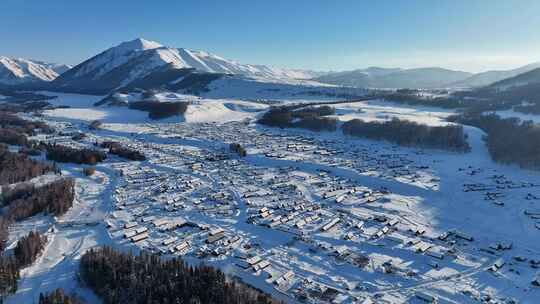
{"points": [[69, 236], [252, 89], [222, 111], [300, 215], [83, 110], [376, 110]]}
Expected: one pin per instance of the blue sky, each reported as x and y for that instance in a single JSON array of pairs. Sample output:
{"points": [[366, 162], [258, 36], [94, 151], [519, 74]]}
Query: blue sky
{"points": [[471, 35]]}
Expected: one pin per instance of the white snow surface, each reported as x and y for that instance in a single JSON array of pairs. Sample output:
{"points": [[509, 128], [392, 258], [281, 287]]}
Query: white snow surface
{"points": [[157, 97], [432, 198], [221, 111], [377, 110], [82, 109]]}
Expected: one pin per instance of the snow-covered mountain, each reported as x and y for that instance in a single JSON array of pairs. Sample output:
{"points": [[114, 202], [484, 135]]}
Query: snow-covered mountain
{"points": [[523, 79], [16, 71], [491, 77], [141, 61], [375, 77]]}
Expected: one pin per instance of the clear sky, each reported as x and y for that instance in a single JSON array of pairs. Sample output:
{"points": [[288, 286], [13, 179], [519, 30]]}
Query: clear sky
{"points": [[472, 35]]}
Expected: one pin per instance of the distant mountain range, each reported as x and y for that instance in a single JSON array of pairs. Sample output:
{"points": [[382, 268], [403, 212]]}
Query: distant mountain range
{"points": [[421, 78], [16, 71], [143, 64], [374, 77]]}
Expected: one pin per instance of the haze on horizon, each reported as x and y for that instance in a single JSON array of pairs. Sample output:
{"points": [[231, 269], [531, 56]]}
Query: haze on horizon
{"points": [[472, 36]]}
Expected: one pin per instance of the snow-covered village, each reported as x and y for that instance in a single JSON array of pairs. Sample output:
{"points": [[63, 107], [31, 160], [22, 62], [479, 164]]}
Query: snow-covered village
{"points": [[155, 174]]}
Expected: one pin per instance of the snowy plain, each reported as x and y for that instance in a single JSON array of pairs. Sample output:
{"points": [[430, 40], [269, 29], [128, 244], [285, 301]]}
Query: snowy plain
{"points": [[433, 199]]}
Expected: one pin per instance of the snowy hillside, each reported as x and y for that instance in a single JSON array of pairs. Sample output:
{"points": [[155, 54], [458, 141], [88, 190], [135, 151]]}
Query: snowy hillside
{"points": [[490, 77], [530, 77], [19, 71], [136, 60]]}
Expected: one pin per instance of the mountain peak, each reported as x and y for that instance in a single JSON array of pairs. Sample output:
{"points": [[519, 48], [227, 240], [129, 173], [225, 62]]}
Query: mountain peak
{"points": [[139, 44]]}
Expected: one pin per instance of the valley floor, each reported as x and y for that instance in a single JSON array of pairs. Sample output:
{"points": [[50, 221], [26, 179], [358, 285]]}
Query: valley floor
{"points": [[316, 217]]}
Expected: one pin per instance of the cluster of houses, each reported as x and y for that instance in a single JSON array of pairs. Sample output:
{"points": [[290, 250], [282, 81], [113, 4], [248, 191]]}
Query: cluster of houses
{"points": [[499, 187], [275, 221]]}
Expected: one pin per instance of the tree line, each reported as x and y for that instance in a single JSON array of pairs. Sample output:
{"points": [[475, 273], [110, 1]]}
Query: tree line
{"points": [[9, 275], [119, 277], [13, 136], [401, 132], [18, 167], [26, 107], [415, 98], [14, 130], [4, 233], [160, 110], [312, 111], [55, 198], [65, 154], [58, 296], [24, 199], [116, 148], [523, 98], [27, 200], [408, 133], [11, 120], [29, 247], [311, 118], [510, 140], [25, 253], [317, 124]]}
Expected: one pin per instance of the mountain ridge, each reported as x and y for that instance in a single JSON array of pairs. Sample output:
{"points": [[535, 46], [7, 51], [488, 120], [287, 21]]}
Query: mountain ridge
{"points": [[131, 61], [488, 78], [19, 71], [395, 78], [523, 79]]}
